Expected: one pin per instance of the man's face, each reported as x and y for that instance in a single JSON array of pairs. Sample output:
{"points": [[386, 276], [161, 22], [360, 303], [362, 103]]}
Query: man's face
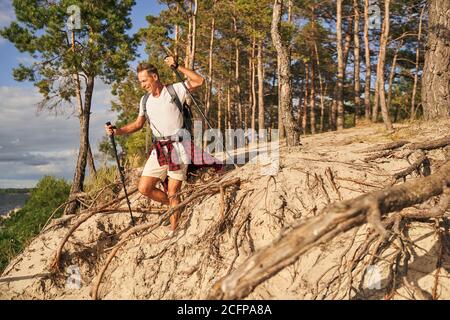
{"points": [[147, 80]]}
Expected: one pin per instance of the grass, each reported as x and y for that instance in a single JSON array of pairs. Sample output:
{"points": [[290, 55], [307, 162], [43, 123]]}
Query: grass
{"points": [[17, 231]]}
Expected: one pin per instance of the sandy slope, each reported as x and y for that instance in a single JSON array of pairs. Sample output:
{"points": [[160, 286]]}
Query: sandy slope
{"points": [[207, 247]]}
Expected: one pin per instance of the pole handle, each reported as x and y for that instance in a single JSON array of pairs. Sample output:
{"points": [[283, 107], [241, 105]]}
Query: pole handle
{"points": [[114, 127]]}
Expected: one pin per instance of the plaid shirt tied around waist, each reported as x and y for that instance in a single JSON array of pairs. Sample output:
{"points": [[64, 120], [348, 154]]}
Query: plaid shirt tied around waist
{"points": [[198, 158]]}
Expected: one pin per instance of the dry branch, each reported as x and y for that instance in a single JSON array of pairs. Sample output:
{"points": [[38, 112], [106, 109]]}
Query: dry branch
{"points": [[56, 261], [335, 219], [414, 166], [429, 145], [385, 147], [382, 154], [209, 189]]}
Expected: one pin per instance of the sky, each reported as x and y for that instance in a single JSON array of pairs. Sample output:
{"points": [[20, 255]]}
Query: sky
{"points": [[34, 144]]}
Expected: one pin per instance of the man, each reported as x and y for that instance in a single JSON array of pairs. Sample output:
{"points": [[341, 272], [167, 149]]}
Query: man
{"points": [[166, 120]]}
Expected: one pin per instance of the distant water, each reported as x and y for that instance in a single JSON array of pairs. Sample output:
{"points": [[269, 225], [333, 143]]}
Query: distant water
{"points": [[10, 201]]}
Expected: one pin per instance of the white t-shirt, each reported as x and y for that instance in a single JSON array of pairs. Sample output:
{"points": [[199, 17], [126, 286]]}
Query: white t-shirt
{"points": [[165, 117]]}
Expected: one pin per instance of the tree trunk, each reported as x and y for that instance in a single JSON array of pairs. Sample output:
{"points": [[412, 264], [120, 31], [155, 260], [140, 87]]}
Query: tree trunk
{"points": [[80, 170], [228, 114], [261, 123], [176, 34], [376, 96], [357, 88], [382, 62], [175, 52], [392, 75], [91, 163], [194, 36], [322, 104], [292, 136], [312, 99], [253, 89], [345, 54], [219, 109], [281, 132], [340, 80], [236, 73], [436, 71], [368, 63], [416, 74], [210, 69], [304, 115], [347, 43], [368, 73], [188, 43]]}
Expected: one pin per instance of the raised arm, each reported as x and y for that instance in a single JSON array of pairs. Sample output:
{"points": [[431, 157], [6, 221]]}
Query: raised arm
{"points": [[194, 80]]}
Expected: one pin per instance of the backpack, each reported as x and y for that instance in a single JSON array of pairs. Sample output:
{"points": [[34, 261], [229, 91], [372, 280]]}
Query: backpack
{"points": [[184, 108]]}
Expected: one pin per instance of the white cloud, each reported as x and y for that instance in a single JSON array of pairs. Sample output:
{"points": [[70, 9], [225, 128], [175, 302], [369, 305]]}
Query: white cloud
{"points": [[35, 144], [14, 183]]}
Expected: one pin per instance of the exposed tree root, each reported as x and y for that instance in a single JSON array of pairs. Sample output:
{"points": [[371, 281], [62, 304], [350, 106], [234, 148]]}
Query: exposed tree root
{"points": [[430, 145], [209, 189], [55, 264], [406, 148], [387, 146], [333, 220], [413, 167], [331, 179]]}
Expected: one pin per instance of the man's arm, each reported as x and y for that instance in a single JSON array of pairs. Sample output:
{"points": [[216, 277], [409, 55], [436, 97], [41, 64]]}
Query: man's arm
{"points": [[129, 128], [194, 80]]}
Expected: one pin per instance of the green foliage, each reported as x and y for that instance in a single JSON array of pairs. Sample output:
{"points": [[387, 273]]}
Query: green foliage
{"points": [[15, 190], [129, 94], [23, 225], [102, 47], [104, 177]]}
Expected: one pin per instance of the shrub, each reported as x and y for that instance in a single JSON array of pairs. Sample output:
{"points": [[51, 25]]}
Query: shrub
{"points": [[23, 225]]}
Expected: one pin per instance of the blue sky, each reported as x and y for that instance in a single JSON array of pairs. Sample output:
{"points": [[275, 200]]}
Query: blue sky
{"points": [[35, 144]]}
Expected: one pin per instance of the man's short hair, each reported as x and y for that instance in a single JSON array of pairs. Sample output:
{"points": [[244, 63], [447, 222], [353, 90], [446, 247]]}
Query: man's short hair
{"points": [[151, 69]]}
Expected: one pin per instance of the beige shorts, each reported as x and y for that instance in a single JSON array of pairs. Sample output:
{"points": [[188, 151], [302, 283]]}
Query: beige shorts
{"points": [[153, 169]]}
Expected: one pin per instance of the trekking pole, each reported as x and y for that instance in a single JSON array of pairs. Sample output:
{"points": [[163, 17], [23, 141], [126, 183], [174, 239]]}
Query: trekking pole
{"points": [[113, 143], [177, 73]]}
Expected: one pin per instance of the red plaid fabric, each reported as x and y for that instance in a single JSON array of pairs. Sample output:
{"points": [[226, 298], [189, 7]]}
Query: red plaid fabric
{"points": [[198, 157], [166, 158]]}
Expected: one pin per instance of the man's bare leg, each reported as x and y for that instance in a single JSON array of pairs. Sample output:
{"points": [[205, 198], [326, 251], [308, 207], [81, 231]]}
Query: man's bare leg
{"points": [[173, 188], [147, 187]]}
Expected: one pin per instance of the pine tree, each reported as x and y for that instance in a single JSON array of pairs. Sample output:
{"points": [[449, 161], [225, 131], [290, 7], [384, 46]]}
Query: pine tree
{"points": [[68, 63]]}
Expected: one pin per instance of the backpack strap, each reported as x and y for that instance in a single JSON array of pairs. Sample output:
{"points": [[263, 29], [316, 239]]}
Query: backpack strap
{"points": [[174, 96], [184, 108], [144, 107]]}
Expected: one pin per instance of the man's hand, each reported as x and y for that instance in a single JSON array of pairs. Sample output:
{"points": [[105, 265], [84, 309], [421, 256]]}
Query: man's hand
{"points": [[171, 61], [110, 129]]}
